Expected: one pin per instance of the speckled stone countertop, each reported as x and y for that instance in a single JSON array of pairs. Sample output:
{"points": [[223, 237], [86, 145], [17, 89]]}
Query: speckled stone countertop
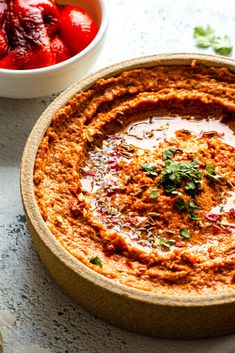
{"points": [[34, 312]]}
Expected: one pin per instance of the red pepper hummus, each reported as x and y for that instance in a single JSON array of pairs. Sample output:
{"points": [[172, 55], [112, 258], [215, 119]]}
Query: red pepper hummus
{"points": [[135, 178]]}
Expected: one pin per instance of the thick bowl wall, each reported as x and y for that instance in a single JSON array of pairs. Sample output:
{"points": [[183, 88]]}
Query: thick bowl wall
{"points": [[136, 310]]}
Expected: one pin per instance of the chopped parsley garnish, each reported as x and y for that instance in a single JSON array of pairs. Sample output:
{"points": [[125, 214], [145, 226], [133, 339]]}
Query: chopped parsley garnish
{"points": [[211, 173], [175, 173], [181, 204], [154, 193], [206, 37], [189, 208], [150, 169], [166, 243], [210, 169], [185, 233], [193, 216], [96, 261], [191, 188], [193, 205], [169, 152]]}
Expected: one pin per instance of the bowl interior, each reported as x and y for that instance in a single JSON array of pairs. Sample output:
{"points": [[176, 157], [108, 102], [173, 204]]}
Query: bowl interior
{"points": [[28, 167]]}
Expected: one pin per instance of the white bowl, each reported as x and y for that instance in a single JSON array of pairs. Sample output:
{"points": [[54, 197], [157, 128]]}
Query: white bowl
{"points": [[52, 79]]}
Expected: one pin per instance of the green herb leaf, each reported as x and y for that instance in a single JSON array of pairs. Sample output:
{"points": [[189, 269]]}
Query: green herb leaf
{"points": [[150, 169], [204, 36], [166, 243], [169, 152], [193, 216], [191, 210], [191, 188], [174, 173], [210, 169], [169, 189], [154, 193], [181, 204], [96, 261], [211, 173], [193, 205], [222, 45], [185, 233], [190, 207]]}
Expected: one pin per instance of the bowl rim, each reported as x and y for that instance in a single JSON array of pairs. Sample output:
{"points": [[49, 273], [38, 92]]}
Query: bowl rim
{"points": [[34, 215], [48, 69]]}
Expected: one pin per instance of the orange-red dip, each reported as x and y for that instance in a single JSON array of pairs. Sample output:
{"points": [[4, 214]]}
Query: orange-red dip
{"points": [[135, 178]]}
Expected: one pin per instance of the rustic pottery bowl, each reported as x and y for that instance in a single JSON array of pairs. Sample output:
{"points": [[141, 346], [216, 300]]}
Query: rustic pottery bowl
{"points": [[136, 310], [52, 79]]}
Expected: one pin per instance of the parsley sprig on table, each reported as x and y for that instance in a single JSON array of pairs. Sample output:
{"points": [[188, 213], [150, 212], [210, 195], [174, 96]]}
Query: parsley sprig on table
{"points": [[206, 37]]}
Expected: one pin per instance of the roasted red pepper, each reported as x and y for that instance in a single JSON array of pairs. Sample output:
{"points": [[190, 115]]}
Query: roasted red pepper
{"points": [[3, 39], [61, 51], [32, 33], [46, 13], [77, 28], [25, 28]]}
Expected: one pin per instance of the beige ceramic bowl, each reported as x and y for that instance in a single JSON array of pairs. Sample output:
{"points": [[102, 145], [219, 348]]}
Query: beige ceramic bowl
{"points": [[52, 79], [136, 310]]}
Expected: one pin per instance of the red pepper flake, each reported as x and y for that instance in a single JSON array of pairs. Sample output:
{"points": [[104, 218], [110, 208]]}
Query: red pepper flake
{"points": [[232, 213], [180, 244], [82, 205], [91, 172], [113, 164], [213, 217], [102, 218]]}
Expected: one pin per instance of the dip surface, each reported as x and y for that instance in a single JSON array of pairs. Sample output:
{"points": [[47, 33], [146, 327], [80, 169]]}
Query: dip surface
{"points": [[135, 178]]}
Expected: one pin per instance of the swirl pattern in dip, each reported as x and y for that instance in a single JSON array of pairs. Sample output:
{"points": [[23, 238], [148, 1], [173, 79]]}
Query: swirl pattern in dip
{"points": [[135, 178]]}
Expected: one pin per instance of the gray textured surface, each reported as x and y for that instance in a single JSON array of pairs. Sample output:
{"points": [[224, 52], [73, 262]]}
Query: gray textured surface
{"points": [[43, 314]]}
